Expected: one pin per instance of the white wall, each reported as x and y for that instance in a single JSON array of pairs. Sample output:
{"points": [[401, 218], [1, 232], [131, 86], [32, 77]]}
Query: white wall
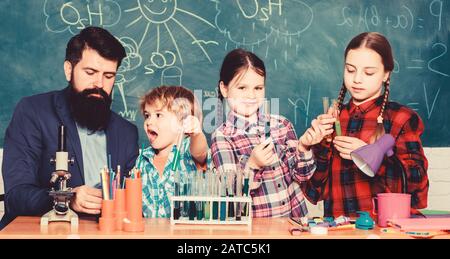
{"points": [[438, 173]]}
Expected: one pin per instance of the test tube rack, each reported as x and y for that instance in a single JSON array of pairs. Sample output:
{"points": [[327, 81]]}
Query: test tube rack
{"points": [[243, 201]]}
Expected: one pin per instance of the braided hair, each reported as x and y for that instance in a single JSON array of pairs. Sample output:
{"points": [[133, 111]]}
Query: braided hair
{"points": [[380, 127], [378, 43]]}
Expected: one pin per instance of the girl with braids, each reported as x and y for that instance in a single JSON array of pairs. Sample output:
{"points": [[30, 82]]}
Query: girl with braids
{"points": [[365, 118], [275, 168]]}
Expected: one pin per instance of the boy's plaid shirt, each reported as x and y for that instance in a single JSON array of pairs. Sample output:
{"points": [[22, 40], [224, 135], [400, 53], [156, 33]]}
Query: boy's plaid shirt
{"points": [[156, 191], [275, 189], [344, 188]]}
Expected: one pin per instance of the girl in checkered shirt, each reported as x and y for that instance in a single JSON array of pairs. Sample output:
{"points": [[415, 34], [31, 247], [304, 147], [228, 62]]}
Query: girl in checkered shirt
{"points": [[275, 167], [367, 116]]}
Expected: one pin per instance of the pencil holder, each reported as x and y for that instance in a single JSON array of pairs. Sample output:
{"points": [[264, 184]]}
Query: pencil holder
{"points": [[120, 211], [107, 219], [133, 195]]}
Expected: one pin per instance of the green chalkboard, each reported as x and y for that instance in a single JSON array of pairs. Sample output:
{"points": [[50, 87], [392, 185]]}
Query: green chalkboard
{"points": [[184, 42]]}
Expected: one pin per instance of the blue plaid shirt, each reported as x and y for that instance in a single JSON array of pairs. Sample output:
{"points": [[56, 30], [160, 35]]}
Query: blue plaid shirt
{"points": [[156, 191]]}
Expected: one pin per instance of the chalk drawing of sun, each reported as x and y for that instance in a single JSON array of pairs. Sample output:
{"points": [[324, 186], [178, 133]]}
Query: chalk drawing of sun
{"points": [[166, 15]]}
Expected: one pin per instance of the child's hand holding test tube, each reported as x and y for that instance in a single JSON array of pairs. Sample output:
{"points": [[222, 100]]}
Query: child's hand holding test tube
{"points": [[182, 106], [264, 154], [192, 127], [315, 134], [335, 113], [326, 107], [321, 127]]}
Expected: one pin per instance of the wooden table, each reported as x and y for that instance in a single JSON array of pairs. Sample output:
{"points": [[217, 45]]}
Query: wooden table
{"points": [[262, 228]]}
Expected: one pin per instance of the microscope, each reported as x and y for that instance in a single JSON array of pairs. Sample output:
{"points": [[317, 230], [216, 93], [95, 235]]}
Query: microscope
{"points": [[59, 191]]}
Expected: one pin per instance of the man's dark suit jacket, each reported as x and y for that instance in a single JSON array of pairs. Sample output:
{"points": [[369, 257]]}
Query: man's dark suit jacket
{"points": [[31, 140]]}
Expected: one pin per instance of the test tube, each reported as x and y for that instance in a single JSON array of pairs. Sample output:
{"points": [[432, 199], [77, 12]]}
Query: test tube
{"points": [[267, 130], [186, 192], [207, 193], [215, 188], [176, 204], [238, 194], [178, 183], [267, 124], [337, 123], [230, 193], [245, 191], [223, 193], [192, 190], [326, 104], [176, 156], [199, 190]]}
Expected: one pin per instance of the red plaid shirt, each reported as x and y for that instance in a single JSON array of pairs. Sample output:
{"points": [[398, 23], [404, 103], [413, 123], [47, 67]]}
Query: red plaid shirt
{"points": [[344, 188], [275, 190]]}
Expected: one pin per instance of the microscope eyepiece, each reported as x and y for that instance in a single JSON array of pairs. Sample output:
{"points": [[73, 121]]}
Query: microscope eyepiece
{"points": [[62, 138]]}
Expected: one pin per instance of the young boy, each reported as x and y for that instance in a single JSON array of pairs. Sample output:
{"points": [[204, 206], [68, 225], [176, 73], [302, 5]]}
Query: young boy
{"points": [[170, 113]]}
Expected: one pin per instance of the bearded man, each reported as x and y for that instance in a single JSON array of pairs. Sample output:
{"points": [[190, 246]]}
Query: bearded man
{"points": [[93, 131]]}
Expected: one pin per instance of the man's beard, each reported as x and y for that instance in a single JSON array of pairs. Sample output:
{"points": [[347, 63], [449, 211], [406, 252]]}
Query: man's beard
{"points": [[90, 112]]}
